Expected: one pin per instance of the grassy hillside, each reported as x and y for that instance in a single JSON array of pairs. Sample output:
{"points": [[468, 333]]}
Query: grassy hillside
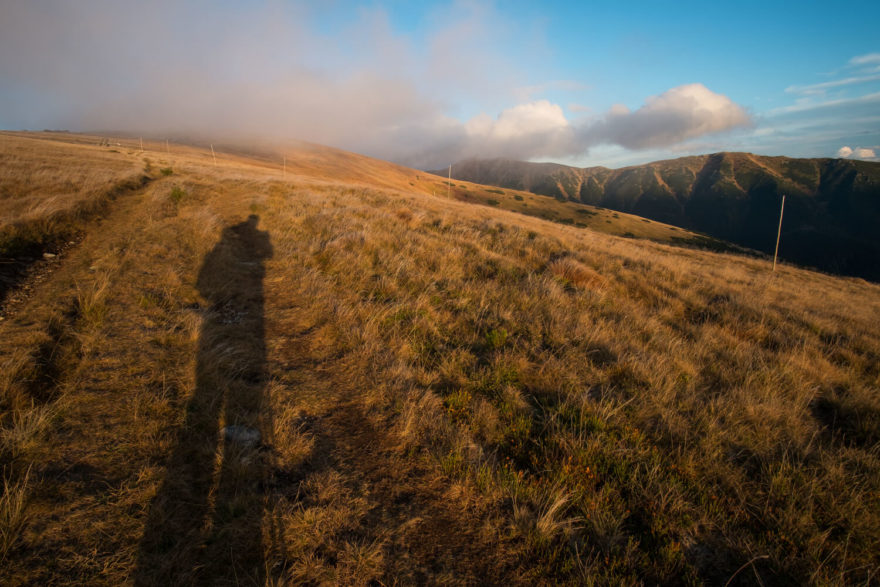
{"points": [[239, 376], [832, 205]]}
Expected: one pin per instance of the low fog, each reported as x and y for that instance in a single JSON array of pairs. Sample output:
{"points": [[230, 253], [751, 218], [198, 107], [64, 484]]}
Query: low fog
{"points": [[279, 72]]}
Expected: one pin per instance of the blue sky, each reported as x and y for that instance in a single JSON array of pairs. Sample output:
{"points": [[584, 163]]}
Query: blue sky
{"points": [[426, 84]]}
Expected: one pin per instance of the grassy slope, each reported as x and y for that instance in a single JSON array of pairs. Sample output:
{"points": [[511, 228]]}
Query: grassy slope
{"points": [[830, 215], [47, 189], [446, 393]]}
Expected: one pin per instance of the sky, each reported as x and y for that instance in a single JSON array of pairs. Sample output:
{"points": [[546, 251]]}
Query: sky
{"points": [[430, 83]]}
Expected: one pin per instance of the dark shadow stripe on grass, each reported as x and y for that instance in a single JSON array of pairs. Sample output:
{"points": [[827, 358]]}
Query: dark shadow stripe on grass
{"points": [[205, 525]]}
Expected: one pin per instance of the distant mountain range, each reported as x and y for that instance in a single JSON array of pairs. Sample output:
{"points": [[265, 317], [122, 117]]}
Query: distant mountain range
{"points": [[832, 206]]}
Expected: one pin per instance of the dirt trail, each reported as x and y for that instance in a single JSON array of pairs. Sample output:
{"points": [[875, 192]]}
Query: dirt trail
{"points": [[79, 452], [23, 274], [20, 277]]}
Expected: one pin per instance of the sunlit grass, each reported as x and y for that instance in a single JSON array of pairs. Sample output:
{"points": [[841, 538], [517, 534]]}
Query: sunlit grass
{"points": [[452, 391]]}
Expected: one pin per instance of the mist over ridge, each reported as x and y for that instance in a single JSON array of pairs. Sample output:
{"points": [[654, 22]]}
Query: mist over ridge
{"points": [[459, 80]]}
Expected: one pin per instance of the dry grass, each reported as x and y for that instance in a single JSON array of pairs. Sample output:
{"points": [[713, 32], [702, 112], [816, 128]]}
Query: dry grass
{"points": [[46, 188], [581, 215], [13, 513], [445, 393], [576, 274]]}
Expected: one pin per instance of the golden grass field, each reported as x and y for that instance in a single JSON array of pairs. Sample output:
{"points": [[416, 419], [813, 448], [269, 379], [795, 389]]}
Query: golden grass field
{"points": [[444, 392]]}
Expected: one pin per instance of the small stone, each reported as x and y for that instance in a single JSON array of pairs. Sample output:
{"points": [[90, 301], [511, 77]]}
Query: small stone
{"points": [[242, 436], [48, 256]]}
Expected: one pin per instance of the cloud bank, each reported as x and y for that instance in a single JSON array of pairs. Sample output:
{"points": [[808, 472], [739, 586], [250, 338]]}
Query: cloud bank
{"points": [[679, 114], [862, 153], [540, 128], [268, 71]]}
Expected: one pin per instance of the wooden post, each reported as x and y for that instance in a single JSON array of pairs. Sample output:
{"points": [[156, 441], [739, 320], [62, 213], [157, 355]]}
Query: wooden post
{"points": [[142, 144], [213, 155], [449, 182], [284, 169], [167, 150], [778, 233]]}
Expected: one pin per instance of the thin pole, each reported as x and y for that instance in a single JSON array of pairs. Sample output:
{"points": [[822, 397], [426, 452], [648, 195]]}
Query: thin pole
{"points": [[778, 232], [449, 182], [213, 155], [142, 144], [284, 173], [167, 150]]}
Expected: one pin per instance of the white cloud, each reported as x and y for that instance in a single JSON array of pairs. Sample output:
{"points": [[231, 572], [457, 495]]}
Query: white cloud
{"points": [[820, 88], [868, 59], [533, 129], [539, 117], [857, 153], [679, 114], [804, 104]]}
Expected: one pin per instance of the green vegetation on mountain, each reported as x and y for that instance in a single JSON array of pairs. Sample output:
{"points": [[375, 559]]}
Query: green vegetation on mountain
{"points": [[831, 213]]}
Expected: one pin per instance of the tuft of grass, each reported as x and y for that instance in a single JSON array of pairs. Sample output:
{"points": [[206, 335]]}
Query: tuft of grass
{"points": [[575, 273], [496, 338], [550, 522], [177, 194], [361, 562], [13, 512], [541, 524], [166, 171], [24, 428], [458, 404], [90, 302]]}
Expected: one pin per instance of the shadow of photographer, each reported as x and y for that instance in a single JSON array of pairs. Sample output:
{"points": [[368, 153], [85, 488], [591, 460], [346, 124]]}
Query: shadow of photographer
{"points": [[205, 524]]}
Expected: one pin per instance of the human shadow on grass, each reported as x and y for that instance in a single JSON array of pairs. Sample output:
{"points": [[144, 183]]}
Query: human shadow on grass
{"points": [[205, 523]]}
